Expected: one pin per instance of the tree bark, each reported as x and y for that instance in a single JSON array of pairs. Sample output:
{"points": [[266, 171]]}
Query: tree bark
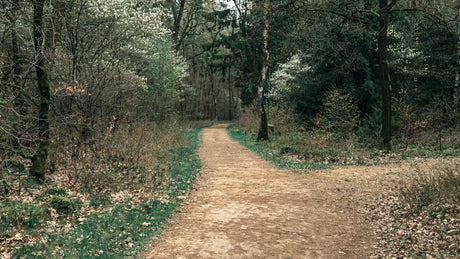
{"points": [[17, 69], [15, 47], [54, 30], [384, 77], [177, 24], [39, 159], [457, 76], [263, 122], [230, 95]]}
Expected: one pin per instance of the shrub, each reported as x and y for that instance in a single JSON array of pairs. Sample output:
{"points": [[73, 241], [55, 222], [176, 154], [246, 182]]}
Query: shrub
{"points": [[425, 221], [439, 186], [56, 191], [340, 114], [16, 214], [62, 205], [125, 157], [332, 140], [99, 199], [248, 121]]}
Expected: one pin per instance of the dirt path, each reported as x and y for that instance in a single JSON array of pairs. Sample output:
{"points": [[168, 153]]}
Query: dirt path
{"points": [[246, 208]]}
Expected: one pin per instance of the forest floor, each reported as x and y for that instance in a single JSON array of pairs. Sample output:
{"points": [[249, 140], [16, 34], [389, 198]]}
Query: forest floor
{"points": [[244, 207]]}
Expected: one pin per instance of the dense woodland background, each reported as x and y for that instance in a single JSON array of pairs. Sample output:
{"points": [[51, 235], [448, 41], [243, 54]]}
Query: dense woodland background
{"points": [[91, 87], [113, 63]]}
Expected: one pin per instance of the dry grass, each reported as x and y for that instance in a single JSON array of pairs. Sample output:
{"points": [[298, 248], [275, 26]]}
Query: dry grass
{"points": [[248, 120], [417, 217], [421, 218], [316, 145], [126, 164]]}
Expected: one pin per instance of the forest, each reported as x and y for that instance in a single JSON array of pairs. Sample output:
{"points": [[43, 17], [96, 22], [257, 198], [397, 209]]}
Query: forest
{"points": [[102, 104]]}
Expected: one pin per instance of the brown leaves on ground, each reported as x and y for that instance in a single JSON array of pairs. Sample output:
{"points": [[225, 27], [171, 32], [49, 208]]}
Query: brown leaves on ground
{"points": [[430, 231]]}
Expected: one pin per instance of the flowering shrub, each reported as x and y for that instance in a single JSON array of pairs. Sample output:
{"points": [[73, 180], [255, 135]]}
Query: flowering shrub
{"points": [[283, 80]]}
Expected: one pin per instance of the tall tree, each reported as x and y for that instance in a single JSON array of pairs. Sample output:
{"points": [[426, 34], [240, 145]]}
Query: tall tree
{"points": [[457, 76], [177, 23], [263, 123], [384, 76], [39, 159], [14, 43]]}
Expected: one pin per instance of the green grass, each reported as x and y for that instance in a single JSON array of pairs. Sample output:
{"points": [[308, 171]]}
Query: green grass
{"points": [[123, 230], [430, 151], [264, 150]]}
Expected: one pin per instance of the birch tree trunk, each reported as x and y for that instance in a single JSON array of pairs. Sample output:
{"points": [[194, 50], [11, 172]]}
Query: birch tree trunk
{"points": [[263, 123]]}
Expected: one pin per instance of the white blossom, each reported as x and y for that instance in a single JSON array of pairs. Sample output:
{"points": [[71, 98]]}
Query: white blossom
{"points": [[405, 55], [282, 81], [145, 39]]}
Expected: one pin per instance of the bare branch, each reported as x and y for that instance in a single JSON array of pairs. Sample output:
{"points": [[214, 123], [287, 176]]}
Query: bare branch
{"points": [[24, 93]]}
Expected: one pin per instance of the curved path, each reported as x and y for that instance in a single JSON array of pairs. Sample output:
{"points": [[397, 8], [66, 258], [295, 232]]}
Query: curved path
{"points": [[244, 207]]}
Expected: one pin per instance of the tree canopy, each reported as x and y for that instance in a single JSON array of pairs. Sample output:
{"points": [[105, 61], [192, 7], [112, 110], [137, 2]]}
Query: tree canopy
{"points": [[103, 62]]}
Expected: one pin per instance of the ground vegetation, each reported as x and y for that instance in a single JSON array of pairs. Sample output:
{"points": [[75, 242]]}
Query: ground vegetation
{"points": [[97, 98]]}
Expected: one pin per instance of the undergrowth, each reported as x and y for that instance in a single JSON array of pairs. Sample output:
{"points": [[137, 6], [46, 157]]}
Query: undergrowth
{"points": [[109, 204], [419, 218], [266, 151], [424, 189], [423, 220], [328, 141]]}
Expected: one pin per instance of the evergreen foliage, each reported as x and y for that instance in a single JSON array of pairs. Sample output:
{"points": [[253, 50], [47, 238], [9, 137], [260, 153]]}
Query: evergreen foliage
{"points": [[327, 75], [340, 114]]}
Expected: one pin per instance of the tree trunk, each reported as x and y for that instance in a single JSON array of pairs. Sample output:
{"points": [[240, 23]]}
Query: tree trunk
{"points": [[384, 77], [177, 24], [39, 159], [54, 30], [457, 76], [230, 95], [15, 47], [17, 70], [263, 122]]}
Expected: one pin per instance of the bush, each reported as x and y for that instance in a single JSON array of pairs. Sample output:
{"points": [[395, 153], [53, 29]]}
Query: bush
{"points": [[16, 214], [340, 114], [99, 199], [56, 191], [425, 221], [61, 204], [248, 121], [440, 186], [332, 140], [125, 157]]}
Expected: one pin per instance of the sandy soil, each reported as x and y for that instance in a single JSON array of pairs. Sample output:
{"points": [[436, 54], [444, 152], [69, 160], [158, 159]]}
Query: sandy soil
{"points": [[244, 207]]}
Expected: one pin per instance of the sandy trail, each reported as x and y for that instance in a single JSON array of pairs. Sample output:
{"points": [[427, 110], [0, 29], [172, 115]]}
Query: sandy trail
{"points": [[244, 207]]}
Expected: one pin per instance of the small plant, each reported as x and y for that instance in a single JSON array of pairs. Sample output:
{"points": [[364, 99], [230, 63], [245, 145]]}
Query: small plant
{"points": [[99, 199], [248, 120], [16, 215], [266, 151], [441, 186], [407, 120], [330, 140], [62, 205], [340, 114], [56, 191], [425, 221]]}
